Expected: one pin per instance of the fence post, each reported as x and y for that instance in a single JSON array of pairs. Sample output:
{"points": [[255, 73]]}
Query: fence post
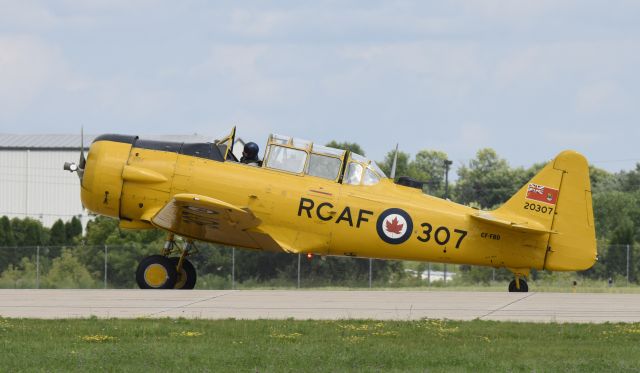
{"points": [[370, 271], [298, 270], [445, 273], [37, 267], [627, 264], [233, 268], [493, 274], [105, 265]]}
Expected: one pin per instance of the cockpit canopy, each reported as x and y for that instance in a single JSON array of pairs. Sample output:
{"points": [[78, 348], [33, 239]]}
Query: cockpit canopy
{"points": [[303, 157]]}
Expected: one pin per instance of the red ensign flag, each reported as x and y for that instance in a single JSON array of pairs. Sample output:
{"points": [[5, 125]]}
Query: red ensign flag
{"points": [[542, 193]]}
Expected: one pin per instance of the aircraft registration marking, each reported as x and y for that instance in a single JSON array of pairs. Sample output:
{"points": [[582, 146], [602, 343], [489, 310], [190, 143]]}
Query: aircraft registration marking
{"points": [[394, 226], [538, 208], [324, 211]]}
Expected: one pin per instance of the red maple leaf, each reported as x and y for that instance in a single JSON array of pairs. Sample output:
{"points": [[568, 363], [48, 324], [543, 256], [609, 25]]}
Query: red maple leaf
{"points": [[394, 227]]}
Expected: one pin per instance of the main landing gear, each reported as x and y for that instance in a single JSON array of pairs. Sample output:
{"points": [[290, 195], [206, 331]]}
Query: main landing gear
{"points": [[519, 285], [522, 287], [164, 272]]}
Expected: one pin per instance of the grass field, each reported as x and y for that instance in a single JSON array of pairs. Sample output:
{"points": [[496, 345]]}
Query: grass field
{"points": [[313, 346]]}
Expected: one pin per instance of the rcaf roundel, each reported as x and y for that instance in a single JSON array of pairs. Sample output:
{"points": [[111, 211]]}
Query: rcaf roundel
{"points": [[394, 226]]}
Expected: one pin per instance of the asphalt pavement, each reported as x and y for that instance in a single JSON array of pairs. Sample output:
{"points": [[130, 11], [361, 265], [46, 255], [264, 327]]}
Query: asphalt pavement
{"points": [[320, 305]]}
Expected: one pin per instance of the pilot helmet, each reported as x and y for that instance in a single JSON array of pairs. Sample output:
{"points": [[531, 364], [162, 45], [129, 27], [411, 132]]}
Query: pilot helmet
{"points": [[251, 150]]}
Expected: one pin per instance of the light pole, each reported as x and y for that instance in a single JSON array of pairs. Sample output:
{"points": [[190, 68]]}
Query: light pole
{"points": [[447, 164]]}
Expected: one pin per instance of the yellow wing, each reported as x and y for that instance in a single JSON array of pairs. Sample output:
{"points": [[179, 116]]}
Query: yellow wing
{"points": [[207, 219]]}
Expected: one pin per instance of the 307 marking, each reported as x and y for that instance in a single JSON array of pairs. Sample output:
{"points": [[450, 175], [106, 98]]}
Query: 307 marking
{"points": [[441, 235], [538, 208]]}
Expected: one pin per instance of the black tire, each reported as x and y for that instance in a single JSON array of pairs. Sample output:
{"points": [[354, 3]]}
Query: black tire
{"points": [[149, 274], [186, 279], [524, 288]]}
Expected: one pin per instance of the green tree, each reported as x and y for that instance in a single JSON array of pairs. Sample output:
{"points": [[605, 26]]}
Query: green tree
{"points": [[603, 181], [29, 232], [630, 180], [68, 273], [612, 210], [7, 238], [487, 180], [19, 276], [402, 167], [352, 146], [73, 229], [429, 166], [125, 248], [616, 256], [58, 236]]}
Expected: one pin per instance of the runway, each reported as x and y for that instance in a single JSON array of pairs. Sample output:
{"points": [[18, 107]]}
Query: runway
{"points": [[326, 305]]}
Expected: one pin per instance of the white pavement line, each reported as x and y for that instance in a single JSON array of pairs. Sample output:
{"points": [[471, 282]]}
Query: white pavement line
{"points": [[507, 305], [191, 304]]}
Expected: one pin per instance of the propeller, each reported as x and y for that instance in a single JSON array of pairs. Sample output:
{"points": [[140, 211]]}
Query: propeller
{"points": [[79, 168]]}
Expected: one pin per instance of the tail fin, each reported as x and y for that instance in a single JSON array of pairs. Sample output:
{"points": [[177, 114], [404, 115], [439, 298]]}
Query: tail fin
{"points": [[558, 200]]}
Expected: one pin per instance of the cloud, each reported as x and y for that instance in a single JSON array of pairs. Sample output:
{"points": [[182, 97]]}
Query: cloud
{"points": [[239, 70], [568, 139], [598, 96], [512, 11], [252, 23], [27, 68], [27, 15]]}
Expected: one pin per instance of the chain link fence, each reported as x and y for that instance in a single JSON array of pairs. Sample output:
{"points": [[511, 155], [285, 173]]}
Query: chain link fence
{"points": [[114, 266]]}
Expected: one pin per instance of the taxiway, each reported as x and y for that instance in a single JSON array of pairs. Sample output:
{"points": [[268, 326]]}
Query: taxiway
{"points": [[328, 305]]}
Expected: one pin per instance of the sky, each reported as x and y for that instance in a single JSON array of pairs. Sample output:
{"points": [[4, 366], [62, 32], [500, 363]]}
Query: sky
{"points": [[526, 78]]}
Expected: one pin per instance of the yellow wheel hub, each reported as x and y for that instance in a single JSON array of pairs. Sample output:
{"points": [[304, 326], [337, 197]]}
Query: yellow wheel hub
{"points": [[156, 275]]}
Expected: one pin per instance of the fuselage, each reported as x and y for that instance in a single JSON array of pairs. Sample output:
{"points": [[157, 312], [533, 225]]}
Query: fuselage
{"points": [[128, 179]]}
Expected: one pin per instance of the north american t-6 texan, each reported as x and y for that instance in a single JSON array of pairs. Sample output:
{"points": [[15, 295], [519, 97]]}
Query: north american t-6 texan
{"points": [[308, 198]]}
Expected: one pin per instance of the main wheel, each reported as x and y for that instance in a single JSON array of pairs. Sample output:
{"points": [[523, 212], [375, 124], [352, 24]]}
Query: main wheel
{"points": [[156, 272], [186, 276], [523, 286]]}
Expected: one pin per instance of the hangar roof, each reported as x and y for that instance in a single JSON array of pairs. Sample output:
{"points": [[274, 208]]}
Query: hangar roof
{"points": [[10, 141]]}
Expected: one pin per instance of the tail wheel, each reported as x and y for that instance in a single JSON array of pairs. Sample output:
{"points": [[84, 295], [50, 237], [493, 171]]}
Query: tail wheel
{"points": [[156, 272], [523, 286], [186, 276]]}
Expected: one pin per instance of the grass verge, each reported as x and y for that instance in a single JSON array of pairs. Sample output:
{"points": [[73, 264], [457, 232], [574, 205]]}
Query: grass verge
{"points": [[315, 346]]}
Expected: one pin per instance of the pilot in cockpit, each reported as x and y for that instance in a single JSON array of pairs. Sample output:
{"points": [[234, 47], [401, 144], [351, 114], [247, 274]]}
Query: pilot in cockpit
{"points": [[250, 154]]}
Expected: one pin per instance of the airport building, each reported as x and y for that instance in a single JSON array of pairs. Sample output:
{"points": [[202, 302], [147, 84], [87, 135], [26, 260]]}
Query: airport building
{"points": [[33, 183]]}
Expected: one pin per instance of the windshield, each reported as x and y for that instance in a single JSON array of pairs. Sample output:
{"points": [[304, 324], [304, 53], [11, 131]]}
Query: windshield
{"points": [[225, 144], [369, 163]]}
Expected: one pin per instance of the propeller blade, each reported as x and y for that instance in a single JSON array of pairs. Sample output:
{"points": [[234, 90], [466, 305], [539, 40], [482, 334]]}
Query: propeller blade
{"points": [[83, 161]]}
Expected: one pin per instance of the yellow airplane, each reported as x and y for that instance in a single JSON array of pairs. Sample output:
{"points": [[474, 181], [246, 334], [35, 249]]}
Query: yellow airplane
{"points": [[308, 198]]}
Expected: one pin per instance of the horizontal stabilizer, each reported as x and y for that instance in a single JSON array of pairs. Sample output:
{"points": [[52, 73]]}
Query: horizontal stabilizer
{"points": [[521, 225]]}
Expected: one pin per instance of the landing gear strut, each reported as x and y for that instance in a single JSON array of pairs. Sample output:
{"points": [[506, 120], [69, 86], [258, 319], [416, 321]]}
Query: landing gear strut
{"points": [[164, 272]]}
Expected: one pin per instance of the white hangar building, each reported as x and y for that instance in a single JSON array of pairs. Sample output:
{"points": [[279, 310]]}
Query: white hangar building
{"points": [[33, 183]]}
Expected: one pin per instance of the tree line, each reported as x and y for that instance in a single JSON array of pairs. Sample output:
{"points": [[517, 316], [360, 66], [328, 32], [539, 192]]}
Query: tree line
{"points": [[69, 258]]}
